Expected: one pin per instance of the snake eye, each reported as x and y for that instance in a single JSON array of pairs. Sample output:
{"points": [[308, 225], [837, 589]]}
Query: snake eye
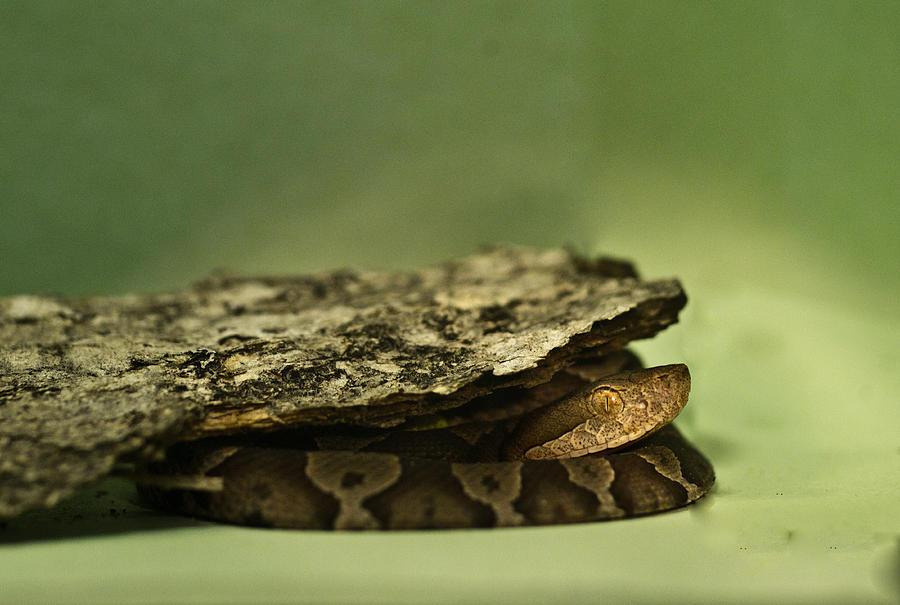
{"points": [[606, 401]]}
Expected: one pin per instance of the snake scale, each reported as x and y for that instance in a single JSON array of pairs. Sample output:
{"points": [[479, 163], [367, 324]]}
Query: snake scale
{"points": [[604, 449]]}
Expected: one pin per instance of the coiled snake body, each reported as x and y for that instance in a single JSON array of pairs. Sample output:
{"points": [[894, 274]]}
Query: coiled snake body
{"points": [[605, 451]]}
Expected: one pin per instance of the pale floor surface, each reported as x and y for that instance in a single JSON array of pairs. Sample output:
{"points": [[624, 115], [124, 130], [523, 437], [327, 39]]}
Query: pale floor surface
{"points": [[806, 515]]}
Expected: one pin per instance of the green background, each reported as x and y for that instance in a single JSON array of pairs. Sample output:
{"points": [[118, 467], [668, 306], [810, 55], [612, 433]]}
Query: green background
{"points": [[748, 148]]}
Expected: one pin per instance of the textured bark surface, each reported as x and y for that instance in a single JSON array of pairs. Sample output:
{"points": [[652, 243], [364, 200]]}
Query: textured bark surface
{"points": [[87, 383]]}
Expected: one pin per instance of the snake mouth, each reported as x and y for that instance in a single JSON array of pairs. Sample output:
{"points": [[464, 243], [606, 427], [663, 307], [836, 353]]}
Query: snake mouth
{"points": [[552, 450]]}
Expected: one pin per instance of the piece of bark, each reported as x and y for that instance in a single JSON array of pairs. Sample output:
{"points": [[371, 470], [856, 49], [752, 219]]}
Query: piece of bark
{"points": [[86, 383]]}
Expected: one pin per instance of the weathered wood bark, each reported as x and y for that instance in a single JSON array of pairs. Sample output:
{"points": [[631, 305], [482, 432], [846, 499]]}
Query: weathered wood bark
{"points": [[87, 383]]}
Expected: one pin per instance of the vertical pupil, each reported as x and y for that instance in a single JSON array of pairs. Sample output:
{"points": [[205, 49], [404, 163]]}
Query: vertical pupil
{"points": [[602, 398], [606, 401]]}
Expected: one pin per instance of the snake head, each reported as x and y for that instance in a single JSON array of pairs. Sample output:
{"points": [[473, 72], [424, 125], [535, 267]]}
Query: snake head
{"points": [[611, 414]]}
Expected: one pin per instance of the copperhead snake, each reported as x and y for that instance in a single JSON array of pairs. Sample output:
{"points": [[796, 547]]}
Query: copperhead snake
{"points": [[604, 451]]}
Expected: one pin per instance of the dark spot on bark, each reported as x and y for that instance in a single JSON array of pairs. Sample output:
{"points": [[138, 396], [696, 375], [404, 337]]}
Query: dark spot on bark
{"points": [[371, 340], [309, 379], [37, 389], [255, 346], [443, 321], [290, 373], [496, 318], [202, 362], [135, 418], [606, 267], [136, 363], [233, 339], [235, 310]]}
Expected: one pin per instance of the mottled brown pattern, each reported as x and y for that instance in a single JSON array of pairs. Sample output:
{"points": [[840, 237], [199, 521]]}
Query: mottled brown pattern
{"points": [[273, 487], [92, 385], [429, 497], [496, 484], [596, 474], [375, 490], [352, 477], [639, 490]]}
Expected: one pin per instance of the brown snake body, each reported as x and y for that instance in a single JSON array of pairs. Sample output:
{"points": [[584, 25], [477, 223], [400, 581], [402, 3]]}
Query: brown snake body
{"points": [[605, 451]]}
